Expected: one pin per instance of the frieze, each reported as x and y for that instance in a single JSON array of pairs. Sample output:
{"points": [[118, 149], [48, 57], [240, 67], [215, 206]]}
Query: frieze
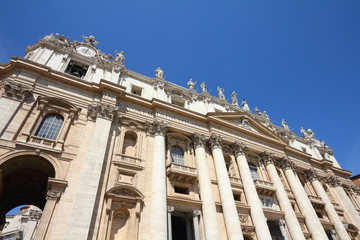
{"points": [[180, 120], [135, 109], [17, 91]]}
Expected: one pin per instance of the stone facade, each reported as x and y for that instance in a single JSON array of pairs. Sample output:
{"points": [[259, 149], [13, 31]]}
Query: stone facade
{"points": [[108, 153]]}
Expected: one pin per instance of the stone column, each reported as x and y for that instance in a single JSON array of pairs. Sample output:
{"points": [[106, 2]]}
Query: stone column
{"points": [[232, 222], [285, 205], [196, 214], [306, 208], [313, 177], [345, 201], [281, 224], [13, 96], [158, 181], [85, 197], [256, 212], [170, 210], [211, 224]]}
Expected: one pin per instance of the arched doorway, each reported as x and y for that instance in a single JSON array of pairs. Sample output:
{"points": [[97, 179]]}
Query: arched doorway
{"points": [[23, 181]]}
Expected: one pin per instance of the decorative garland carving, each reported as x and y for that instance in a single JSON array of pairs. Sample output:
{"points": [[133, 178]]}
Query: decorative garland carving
{"points": [[267, 158], [17, 91], [156, 128], [102, 110]]}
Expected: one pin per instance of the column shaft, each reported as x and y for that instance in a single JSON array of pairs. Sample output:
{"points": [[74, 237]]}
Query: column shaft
{"points": [[84, 201], [331, 212], [311, 218], [348, 206], [196, 224], [232, 222], [211, 224], [256, 212], [158, 191], [285, 205]]}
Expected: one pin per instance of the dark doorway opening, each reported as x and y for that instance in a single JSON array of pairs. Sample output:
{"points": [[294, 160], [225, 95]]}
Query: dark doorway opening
{"points": [[182, 227]]}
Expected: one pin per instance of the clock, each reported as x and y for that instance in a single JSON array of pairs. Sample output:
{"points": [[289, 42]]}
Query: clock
{"points": [[86, 51]]}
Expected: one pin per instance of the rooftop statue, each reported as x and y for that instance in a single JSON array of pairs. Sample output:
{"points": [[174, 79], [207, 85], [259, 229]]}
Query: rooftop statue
{"points": [[307, 134], [90, 40], [159, 73], [119, 57], [244, 105], [191, 84], [203, 87], [234, 98], [50, 37], [285, 126], [221, 93], [258, 111]]}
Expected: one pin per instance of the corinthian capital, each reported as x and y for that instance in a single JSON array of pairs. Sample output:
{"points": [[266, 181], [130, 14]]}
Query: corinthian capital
{"points": [[156, 128], [285, 163], [215, 141], [239, 148], [267, 158], [333, 180], [102, 110], [312, 175], [54, 195], [16, 91], [198, 140]]}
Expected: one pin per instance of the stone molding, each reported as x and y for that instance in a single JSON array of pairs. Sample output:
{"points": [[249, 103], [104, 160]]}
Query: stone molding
{"points": [[215, 141], [156, 128], [17, 91], [333, 180], [285, 163], [267, 158], [102, 110], [239, 148], [198, 140], [311, 175]]}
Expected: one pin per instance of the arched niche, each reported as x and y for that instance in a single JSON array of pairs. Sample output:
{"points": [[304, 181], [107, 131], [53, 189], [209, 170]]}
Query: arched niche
{"points": [[121, 213], [130, 144]]}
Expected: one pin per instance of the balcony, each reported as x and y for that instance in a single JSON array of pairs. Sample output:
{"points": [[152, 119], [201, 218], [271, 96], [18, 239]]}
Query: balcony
{"points": [[181, 173], [235, 182], [264, 188], [128, 161], [316, 202]]}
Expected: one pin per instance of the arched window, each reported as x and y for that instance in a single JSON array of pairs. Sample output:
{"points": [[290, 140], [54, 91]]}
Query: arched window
{"points": [[177, 155], [50, 126], [253, 170]]}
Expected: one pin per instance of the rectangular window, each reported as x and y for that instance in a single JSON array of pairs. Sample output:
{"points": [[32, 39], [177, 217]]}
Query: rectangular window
{"points": [[136, 90], [182, 190]]}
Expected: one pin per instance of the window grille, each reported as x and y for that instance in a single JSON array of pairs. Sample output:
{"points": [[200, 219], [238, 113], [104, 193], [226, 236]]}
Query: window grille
{"points": [[253, 170], [50, 127], [177, 155]]}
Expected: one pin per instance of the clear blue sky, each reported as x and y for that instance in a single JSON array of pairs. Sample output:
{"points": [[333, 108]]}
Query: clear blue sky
{"points": [[298, 60]]}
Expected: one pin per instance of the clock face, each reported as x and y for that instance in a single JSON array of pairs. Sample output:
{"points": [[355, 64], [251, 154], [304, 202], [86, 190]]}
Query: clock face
{"points": [[86, 51]]}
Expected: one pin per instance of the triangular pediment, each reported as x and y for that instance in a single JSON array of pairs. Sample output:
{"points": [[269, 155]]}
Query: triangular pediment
{"points": [[244, 122]]}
